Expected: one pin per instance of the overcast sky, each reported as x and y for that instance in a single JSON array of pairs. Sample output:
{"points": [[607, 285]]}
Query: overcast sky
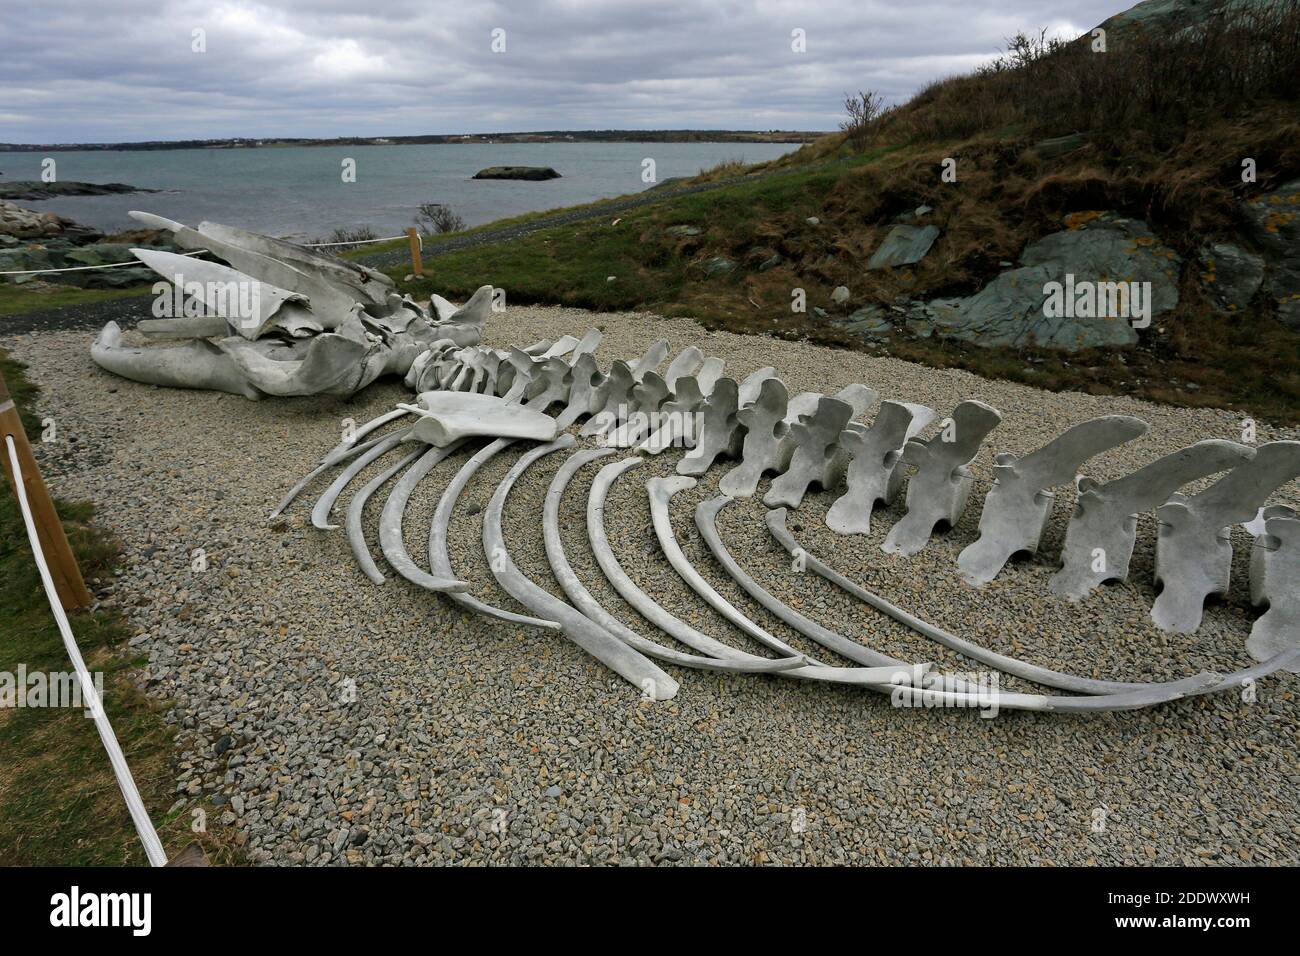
{"points": [[121, 70]]}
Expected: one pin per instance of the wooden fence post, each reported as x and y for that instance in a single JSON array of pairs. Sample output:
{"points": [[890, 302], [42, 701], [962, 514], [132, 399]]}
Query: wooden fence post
{"points": [[58, 553], [417, 266]]}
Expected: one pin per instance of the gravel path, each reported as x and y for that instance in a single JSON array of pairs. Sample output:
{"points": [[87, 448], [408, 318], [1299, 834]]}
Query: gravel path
{"points": [[473, 741]]}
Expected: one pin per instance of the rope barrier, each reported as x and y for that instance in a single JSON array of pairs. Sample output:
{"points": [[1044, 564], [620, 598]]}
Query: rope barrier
{"points": [[111, 265], [355, 242], [197, 252], [153, 848]]}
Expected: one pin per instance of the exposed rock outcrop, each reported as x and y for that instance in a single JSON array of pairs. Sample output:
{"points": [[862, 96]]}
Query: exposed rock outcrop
{"points": [[1233, 274], [903, 246], [21, 223], [1275, 228], [31, 241], [1097, 259]]}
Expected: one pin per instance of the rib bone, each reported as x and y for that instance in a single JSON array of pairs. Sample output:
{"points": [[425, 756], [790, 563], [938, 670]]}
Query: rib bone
{"points": [[440, 560], [654, 683], [588, 605], [871, 677], [390, 525]]}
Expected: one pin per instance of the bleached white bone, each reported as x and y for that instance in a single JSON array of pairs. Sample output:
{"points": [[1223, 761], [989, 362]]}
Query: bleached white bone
{"points": [[1194, 547], [942, 484], [629, 664], [584, 602], [719, 429], [1102, 532], [872, 475], [1018, 506], [1275, 584]]}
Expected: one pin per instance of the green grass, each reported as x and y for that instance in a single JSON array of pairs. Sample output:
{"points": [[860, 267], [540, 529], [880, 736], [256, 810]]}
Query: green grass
{"points": [[571, 264], [519, 220], [16, 299], [59, 800]]}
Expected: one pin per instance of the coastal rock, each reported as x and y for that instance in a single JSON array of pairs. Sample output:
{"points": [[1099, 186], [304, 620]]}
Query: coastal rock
{"points": [[530, 173], [1060, 145], [33, 189], [718, 266], [1095, 248], [869, 322], [22, 223], [62, 254], [1233, 274], [904, 246], [683, 230], [1275, 227]]}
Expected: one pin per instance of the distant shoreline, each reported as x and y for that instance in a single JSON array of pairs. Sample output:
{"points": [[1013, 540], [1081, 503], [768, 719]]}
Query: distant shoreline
{"points": [[478, 139]]}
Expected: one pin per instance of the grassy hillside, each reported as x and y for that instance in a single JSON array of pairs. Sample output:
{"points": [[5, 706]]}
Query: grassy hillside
{"points": [[1160, 123]]}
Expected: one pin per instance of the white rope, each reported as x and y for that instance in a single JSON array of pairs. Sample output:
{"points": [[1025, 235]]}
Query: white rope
{"points": [[144, 826], [111, 265], [357, 242], [197, 252]]}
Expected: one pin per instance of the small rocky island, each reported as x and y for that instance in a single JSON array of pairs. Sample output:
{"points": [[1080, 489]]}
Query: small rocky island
{"points": [[532, 173], [32, 189]]}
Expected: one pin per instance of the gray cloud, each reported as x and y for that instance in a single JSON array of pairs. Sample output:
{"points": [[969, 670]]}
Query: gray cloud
{"points": [[88, 71]]}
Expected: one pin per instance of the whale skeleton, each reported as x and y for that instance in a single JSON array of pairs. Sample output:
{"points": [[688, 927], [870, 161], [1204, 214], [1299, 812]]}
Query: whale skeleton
{"points": [[800, 442], [277, 318]]}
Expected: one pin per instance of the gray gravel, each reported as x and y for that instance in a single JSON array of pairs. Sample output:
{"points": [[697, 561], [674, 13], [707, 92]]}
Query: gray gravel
{"points": [[473, 741]]}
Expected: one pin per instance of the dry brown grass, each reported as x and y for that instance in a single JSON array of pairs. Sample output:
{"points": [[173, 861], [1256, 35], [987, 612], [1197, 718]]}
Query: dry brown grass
{"points": [[1161, 81]]}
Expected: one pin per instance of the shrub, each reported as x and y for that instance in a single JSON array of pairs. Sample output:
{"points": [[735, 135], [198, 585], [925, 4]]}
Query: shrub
{"points": [[352, 236], [863, 109], [434, 217]]}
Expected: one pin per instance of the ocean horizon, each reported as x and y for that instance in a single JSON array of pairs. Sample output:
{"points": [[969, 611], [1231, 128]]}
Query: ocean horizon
{"points": [[299, 192]]}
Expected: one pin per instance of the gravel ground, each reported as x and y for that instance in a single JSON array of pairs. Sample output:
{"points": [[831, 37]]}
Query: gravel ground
{"points": [[474, 741]]}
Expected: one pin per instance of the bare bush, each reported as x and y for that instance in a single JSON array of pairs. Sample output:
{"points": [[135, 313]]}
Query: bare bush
{"points": [[434, 217], [349, 236], [863, 109]]}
